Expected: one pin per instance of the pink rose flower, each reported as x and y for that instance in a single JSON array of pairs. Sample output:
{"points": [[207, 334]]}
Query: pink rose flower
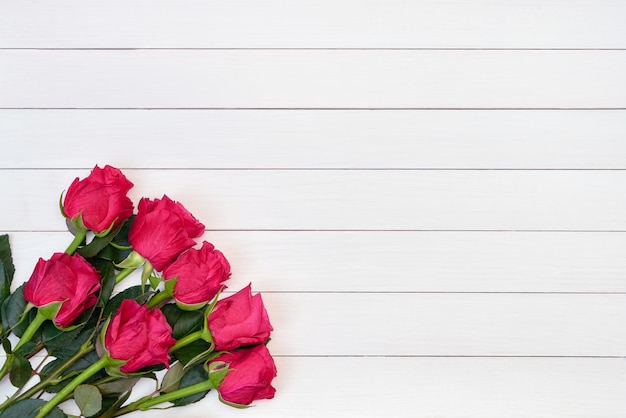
{"points": [[100, 199], [162, 230], [139, 335], [240, 319], [199, 274], [250, 376], [68, 279]]}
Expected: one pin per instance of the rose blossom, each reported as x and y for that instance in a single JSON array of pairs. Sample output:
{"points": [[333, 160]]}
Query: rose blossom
{"points": [[68, 279], [250, 375], [162, 230], [139, 335], [100, 199], [199, 274], [240, 319]]}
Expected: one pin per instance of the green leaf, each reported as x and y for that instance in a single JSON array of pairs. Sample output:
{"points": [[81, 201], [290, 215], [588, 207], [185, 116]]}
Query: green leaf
{"points": [[137, 293], [6, 259], [27, 348], [88, 399], [21, 371], [107, 272], [192, 351], [182, 322], [72, 371], [171, 380], [113, 254], [12, 309], [194, 375], [117, 386], [63, 344], [121, 238], [111, 404], [98, 244], [27, 408]]}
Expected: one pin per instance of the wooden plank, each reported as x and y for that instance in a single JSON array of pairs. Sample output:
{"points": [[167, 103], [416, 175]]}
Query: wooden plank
{"points": [[409, 387], [316, 139], [312, 79], [447, 324], [322, 23], [429, 387], [349, 200], [307, 261]]}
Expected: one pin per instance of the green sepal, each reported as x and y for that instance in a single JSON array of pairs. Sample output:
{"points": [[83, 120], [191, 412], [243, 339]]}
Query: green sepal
{"points": [[106, 231], [78, 222], [170, 284], [217, 372], [206, 332], [146, 273], [61, 208], [120, 247], [155, 281], [112, 366], [234, 405], [50, 310], [99, 243], [189, 307], [134, 260]]}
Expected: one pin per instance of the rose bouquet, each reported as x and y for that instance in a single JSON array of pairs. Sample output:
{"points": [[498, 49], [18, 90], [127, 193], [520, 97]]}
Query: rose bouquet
{"points": [[93, 342]]}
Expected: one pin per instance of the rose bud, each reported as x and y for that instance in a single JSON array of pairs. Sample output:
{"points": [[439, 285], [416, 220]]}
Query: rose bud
{"points": [[100, 199], [68, 279], [199, 275], [250, 375], [162, 230], [240, 319], [138, 335]]}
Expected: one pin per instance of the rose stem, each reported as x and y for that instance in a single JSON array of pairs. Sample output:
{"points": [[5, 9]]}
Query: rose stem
{"points": [[78, 239], [84, 349], [67, 390], [31, 330], [26, 336], [186, 340], [158, 298], [123, 274], [144, 404]]}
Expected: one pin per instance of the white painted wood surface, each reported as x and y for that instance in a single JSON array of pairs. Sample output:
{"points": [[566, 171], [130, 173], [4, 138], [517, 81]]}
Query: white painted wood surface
{"points": [[429, 194], [312, 79]]}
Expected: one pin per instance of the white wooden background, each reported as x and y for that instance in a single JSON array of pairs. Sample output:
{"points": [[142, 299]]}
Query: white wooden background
{"points": [[429, 194]]}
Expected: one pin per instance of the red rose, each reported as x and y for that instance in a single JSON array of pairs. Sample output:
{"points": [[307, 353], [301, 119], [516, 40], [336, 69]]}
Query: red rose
{"points": [[250, 375], [199, 274], [139, 335], [162, 230], [100, 199], [240, 319], [69, 279]]}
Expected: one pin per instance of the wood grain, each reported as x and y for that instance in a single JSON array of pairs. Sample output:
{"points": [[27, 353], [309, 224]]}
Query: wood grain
{"points": [[350, 200], [348, 261], [429, 387], [313, 24], [344, 139], [312, 79]]}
